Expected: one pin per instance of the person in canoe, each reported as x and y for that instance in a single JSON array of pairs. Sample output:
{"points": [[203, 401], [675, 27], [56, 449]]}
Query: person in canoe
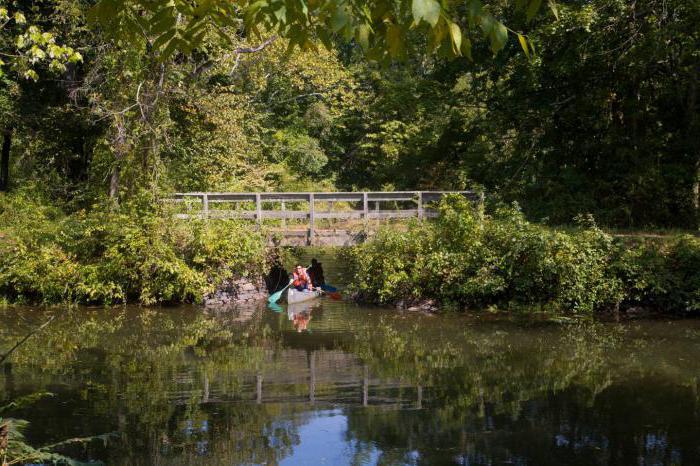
{"points": [[316, 273], [301, 280]]}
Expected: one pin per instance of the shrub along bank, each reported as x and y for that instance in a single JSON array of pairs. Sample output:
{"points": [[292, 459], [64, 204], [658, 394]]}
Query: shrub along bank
{"points": [[468, 260], [131, 254]]}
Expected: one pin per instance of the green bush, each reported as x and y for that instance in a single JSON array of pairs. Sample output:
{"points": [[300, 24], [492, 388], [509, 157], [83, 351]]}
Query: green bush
{"points": [[470, 260], [136, 253], [661, 275]]}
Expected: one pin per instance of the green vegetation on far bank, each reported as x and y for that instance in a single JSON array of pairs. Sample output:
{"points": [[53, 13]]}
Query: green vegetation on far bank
{"points": [[134, 253], [470, 260], [593, 109]]}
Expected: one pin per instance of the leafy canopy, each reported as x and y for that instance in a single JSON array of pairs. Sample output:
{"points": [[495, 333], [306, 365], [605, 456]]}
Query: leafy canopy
{"points": [[380, 27], [24, 46]]}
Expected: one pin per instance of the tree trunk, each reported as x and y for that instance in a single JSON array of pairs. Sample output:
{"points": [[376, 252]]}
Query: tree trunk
{"points": [[5, 160], [114, 183], [120, 150], [696, 194]]}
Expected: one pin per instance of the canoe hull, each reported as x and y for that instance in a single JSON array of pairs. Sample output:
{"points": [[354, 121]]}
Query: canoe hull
{"points": [[295, 296]]}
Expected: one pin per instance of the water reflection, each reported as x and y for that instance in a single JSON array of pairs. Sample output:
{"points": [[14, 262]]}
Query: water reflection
{"points": [[300, 314], [332, 383]]}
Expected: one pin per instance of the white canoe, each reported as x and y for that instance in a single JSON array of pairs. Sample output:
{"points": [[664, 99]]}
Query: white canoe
{"points": [[294, 296]]}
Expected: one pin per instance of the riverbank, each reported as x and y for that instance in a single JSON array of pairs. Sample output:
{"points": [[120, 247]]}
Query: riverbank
{"points": [[464, 260], [468, 260], [133, 253]]}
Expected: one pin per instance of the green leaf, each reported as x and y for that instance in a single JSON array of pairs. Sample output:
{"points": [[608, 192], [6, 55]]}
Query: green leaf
{"points": [[362, 36], [473, 12], [467, 48], [203, 7], [554, 8], [281, 13], [499, 36], [393, 40], [339, 19], [523, 44], [164, 14], [167, 24], [427, 10], [533, 8], [170, 48], [456, 35]]}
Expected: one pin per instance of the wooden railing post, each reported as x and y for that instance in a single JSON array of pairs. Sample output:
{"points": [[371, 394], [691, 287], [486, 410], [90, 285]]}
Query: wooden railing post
{"points": [[311, 218], [365, 207], [420, 205], [258, 209], [205, 205], [284, 220], [482, 208]]}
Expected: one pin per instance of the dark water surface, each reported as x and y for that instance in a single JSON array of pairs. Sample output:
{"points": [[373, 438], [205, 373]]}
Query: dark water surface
{"points": [[184, 386]]}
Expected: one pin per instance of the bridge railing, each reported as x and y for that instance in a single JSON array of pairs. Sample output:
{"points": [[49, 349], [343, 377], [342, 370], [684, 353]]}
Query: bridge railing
{"points": [[304, 206]]}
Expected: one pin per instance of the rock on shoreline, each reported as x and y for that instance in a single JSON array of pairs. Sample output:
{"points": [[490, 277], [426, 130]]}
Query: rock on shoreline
{"points": [[237, 291]]}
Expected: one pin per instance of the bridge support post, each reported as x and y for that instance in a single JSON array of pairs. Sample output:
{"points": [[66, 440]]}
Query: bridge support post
{"points": [[311, 218], [365, 208], [420, 205], [284, 220], [258, 210]]}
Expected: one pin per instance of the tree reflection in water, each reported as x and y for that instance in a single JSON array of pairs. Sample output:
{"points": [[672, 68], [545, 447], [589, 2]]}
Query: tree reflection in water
{"points": [[182, 386]]}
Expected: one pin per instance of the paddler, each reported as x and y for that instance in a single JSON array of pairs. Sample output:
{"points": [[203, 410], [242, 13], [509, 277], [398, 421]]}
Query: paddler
{"points": [[301, 280]]}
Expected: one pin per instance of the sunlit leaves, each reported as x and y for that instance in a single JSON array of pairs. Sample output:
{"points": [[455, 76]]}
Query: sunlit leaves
{"points": [[380, 27], [523, 43], [31, 47], [553, 7], [456, 35], [426, 10]]}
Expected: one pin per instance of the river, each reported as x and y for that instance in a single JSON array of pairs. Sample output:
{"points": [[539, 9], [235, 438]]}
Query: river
{"points": [[353, 385]]}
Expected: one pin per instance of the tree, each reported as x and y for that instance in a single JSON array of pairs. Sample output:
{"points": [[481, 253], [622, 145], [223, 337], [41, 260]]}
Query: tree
{"points": [[25, 49]]}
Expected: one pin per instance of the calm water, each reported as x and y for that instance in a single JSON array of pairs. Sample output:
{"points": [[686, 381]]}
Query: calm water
{"points": [[354, 386]]}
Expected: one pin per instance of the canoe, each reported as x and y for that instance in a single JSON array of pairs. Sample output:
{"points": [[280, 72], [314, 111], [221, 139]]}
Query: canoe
{"points": [[294, 296]]}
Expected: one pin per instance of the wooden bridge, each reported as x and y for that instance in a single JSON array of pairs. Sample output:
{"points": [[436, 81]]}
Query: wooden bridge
{"points": [[314, 218]]}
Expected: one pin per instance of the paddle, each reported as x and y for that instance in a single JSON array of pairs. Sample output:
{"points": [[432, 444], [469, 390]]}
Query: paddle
{"points": [[276, 296], [332, 292]]}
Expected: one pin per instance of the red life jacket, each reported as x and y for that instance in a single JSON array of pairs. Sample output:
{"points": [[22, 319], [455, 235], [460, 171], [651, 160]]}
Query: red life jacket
{"points": [[301, 279]]}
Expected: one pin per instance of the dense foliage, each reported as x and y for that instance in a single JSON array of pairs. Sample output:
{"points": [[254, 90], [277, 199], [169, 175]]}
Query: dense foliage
{"points": [[135, 254], [599, 113], [594, 112], [467, 259]]}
